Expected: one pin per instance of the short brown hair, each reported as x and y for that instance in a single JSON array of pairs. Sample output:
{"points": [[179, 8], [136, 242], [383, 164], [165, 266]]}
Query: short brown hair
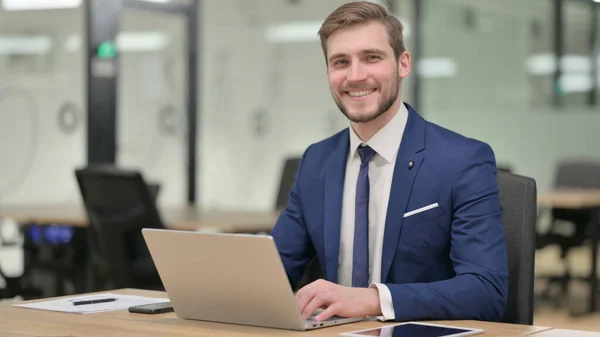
{"points": [[362, 12]]}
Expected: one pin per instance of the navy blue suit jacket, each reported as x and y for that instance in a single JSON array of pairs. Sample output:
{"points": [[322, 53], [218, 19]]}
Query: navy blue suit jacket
{"points": [[446, 263]]}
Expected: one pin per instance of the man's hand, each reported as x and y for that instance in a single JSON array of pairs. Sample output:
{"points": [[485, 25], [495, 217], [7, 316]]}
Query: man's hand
{"points": [[337, 300]]}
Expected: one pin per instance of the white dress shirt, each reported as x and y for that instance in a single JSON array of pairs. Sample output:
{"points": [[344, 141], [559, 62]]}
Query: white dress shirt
{"points": [[381, 171]]}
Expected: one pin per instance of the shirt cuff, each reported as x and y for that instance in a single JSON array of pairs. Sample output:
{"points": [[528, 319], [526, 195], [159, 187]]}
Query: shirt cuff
{"points": [[385, 301]]}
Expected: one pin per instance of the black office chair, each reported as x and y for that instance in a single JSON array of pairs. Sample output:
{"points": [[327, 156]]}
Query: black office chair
{"points": [[584, 174], [518, 196], [119, 204], [288, 176]]}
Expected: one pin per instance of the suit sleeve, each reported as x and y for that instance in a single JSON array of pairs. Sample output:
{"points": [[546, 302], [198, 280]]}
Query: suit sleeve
{"points": [[478, 252], [290, 233]]}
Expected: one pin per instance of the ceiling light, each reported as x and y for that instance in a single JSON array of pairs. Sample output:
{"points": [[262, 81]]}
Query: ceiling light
{"points": [[141, 41], [24, 45], [439, 67], [293, 32], [20, 5]]}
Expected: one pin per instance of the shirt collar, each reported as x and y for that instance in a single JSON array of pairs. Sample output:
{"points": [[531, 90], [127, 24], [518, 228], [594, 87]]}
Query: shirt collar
{"points": [[386, 141]]}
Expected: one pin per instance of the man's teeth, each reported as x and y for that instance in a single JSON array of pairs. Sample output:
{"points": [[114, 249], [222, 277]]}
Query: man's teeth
{"points": [[360, 93]]}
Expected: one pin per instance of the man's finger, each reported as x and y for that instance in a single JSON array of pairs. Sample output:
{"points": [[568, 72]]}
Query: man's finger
{"points": [[330, 311], [319, 300], [305, 295]]}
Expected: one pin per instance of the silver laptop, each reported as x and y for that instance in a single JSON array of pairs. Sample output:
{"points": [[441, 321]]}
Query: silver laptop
{"points": [[229, 278]]}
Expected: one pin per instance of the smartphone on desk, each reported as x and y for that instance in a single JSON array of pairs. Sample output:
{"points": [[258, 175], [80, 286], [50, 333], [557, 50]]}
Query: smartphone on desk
{"points": [[154, 308]]}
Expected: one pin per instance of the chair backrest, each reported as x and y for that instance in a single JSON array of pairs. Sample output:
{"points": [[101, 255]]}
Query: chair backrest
{"points": [[288, 176], [578, 174], [119, 204], [518, 196], [504, 167]]}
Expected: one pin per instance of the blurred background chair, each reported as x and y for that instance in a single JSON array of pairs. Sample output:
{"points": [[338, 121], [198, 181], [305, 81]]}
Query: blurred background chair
{"points": [[286, 182], [119, 204], [313, 270], [506, 167]]}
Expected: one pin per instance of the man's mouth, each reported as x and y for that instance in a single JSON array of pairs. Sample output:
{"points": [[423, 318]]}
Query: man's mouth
{"points": [[361, 93]]}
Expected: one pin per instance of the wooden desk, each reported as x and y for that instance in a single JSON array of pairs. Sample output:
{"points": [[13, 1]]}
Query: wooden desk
{"points": [[23, 322], [567, 333], [580, 199], [184, 218]]}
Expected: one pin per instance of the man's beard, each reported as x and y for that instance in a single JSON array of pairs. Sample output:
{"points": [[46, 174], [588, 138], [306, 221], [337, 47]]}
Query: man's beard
{"points": [[385, 103]]}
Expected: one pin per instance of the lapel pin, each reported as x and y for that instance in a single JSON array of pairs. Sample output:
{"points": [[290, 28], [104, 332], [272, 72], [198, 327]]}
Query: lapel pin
{"points": [[411, 164]]}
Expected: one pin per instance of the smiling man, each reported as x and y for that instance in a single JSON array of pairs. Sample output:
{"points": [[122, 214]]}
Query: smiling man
{"points": [[403, 215]]}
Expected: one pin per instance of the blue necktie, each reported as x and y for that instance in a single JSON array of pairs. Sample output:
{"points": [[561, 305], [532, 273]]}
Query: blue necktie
{"points": [[360, 261]]}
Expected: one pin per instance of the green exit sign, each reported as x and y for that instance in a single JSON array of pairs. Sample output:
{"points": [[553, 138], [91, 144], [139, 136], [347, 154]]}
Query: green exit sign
{"points": [[107, 50]]}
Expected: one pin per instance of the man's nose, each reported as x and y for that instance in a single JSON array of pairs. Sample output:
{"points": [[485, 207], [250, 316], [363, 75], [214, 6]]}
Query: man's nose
{"points": [[356, 73]]}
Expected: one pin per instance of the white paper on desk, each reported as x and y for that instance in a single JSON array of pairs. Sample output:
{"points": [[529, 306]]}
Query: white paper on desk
{"points": [[65, 304]]}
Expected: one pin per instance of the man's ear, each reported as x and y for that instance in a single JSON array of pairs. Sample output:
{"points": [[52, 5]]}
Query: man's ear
{"points": [[404, 64]]}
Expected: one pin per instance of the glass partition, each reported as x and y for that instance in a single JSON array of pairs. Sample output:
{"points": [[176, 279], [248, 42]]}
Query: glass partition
{"points": [[42, 103], [498, 84], [151, 100]]}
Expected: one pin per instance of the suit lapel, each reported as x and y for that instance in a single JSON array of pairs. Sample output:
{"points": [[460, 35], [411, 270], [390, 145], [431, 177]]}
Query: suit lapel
{"points": [[411, 147], [334, 189]]}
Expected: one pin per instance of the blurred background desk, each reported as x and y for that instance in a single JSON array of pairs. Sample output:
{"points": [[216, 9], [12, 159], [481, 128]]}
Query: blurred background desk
{"points": [[182, 218], [64, 253], [585, 200], [570, 198]]}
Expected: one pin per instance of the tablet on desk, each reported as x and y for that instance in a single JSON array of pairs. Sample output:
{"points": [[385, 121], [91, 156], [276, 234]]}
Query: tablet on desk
{"points": [[415, 329]]}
